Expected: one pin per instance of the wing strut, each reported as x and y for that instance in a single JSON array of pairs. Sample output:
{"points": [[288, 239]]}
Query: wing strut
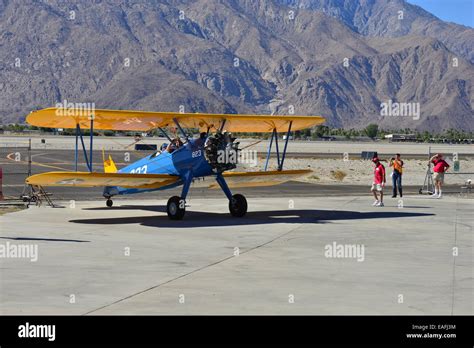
{"points": [[92, 139], [76, 150], [77, 145], [221, 128], [269, 149], [276, 147], [280, 167], [181, 129], [165, 134], [275, 135]]}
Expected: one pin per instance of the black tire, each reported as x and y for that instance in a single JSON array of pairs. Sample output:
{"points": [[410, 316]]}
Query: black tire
{"points": [[176, 208], [238, 205], [109, 203], [420, 191]]}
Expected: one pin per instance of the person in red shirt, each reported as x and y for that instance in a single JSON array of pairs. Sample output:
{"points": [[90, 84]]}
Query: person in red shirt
{"points": [[439, 168], [379, 182]]}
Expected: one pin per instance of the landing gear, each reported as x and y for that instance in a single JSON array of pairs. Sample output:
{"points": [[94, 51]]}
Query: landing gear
{"points": [[176, 208], [238, 205], [237, 202], [109, 202]]}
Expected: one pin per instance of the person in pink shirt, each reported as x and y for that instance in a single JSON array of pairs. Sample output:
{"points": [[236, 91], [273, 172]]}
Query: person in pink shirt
{"points": [[440, 166], [379, 182]]}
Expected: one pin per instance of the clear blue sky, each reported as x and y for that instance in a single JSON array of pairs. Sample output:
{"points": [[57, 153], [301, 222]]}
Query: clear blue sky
{"points": [[457, 11]]}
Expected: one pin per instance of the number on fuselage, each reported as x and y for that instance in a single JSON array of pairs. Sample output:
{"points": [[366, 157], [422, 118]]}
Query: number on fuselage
{"points": [[139, 170]]}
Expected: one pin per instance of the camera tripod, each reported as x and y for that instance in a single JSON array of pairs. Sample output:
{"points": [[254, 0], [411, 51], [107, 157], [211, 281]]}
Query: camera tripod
{"points": [[428, 185]]}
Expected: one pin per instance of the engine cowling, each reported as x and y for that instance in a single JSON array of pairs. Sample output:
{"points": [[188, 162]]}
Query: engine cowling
{"points": [[221, 151]]}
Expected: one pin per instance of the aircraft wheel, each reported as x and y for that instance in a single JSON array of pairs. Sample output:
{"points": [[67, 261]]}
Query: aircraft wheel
{"points": [[109, 202], [238, 205], [175, 208]]}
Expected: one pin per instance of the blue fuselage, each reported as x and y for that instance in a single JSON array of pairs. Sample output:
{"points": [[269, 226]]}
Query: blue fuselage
{"points": [[189, 158]]}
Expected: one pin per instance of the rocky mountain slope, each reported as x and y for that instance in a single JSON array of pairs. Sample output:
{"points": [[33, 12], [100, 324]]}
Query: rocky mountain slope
{"points": [[336, 58]]}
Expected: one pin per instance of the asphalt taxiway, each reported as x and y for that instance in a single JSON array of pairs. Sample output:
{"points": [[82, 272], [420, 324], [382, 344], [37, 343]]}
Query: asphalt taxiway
{"points": [[15, 173]]}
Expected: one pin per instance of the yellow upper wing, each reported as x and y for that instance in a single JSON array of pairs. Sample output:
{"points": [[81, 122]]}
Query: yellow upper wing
{"points": [[86, 179], [145, 120]]}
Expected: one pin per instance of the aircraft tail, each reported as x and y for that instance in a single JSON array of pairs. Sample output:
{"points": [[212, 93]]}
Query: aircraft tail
{"points": [[109, 164]]}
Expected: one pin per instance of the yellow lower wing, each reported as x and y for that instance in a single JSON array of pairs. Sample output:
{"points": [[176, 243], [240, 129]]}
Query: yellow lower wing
{"points": [[257, 179], [86, 179], [152, 181]]}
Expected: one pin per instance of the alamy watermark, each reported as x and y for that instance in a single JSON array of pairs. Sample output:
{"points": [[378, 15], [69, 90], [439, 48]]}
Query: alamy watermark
{"points": [[348, 251], [244, 157], [28, 330], [19, 251], [392, 108], [66, 108]]}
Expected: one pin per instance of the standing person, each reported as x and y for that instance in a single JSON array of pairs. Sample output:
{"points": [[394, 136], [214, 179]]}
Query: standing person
{"points": [[397, 165], [379, 182], [440, 167]]}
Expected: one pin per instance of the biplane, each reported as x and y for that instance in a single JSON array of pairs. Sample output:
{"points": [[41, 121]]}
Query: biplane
{"points": [[182, 162]]}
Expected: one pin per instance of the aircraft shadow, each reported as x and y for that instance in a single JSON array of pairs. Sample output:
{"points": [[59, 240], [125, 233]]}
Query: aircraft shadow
{"points": [[46, 239], [208, 219], [158, 208]]}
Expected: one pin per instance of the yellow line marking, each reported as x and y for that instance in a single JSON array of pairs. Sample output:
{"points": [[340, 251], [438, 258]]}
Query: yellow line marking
{"points": [[36, 163]]}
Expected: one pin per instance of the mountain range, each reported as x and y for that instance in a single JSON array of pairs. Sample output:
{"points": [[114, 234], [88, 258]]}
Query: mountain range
{"points": [[341, 59]]}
